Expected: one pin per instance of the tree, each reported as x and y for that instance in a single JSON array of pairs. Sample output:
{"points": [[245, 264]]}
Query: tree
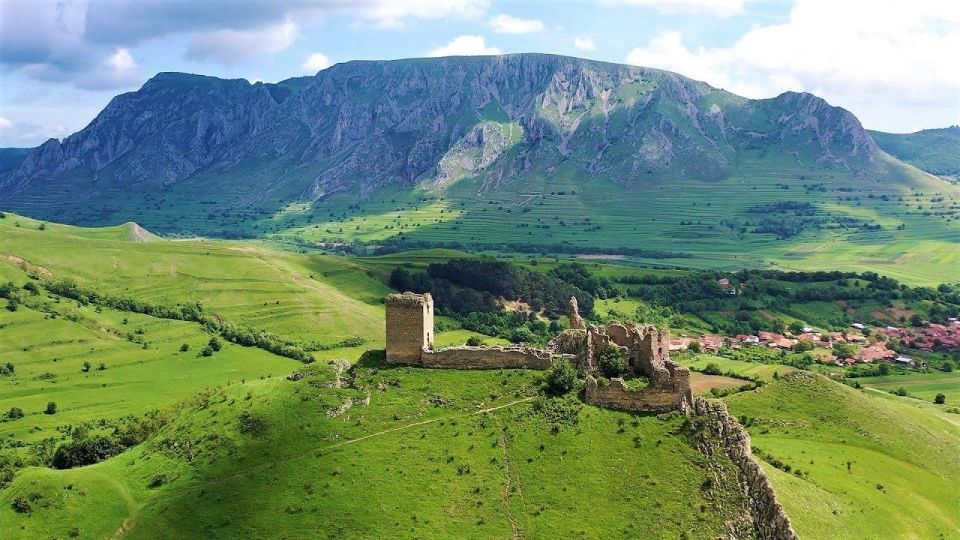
{"points": [[474, 341], [612, 362], [15, 413], [215, 344], [185, 347], [86, 367], [884, 368], [562, 377], [51, 408], [947, 366], [694, 346], [940, 399], [844, 350]]}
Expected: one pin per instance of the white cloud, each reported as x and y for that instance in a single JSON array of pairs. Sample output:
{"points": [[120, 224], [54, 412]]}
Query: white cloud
{"points": [[465, 46], [715, 8], [230, 46], [584, 44], [892, 64], [507, 24], [121, 60], [394, 13], [5, 123], [315, 62]]}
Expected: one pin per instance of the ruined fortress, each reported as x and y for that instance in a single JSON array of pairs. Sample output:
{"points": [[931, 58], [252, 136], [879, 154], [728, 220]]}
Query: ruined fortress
{"points": [[410, 341], [410, 338]]}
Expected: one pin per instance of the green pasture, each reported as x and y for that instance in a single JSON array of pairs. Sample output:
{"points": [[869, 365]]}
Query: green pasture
{"points": [[869, 466]]}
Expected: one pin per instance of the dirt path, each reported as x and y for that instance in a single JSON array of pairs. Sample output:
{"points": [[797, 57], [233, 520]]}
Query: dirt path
{"points": [[129, 523]]}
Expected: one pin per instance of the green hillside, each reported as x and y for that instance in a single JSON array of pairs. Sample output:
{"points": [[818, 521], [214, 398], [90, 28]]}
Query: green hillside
{"points": [[466, 454], [231, 444], [855, 464], [936, 151]]}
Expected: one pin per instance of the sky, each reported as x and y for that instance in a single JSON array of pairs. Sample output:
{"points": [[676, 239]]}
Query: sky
{"points": [[893, 63]]}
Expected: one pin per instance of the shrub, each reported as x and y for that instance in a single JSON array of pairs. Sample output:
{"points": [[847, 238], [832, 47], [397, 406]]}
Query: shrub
{"points": [[712, 369], [86, 367], [15, 413], [474, 341], [207, 351], [102, 366], [612, 362], [901, 391], [21, 505], [940, 399], [215, 344], [562, 377], [51, 408], [694, 346], [185, 347]]}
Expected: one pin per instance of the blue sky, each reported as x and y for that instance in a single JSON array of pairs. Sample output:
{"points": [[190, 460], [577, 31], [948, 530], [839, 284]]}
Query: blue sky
{"points": [[892, 63]]}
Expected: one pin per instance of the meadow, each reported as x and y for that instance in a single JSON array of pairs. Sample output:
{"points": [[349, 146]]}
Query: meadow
{"points": [[255, 444], [924, 386]]}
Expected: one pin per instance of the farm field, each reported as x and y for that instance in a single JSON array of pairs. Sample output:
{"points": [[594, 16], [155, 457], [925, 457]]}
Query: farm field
{"points": [[923, 386]]}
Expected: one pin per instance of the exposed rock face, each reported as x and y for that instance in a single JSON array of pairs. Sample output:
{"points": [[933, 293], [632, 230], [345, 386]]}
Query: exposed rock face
{"points": [[360, 125], [576, 321], [721, 432]]}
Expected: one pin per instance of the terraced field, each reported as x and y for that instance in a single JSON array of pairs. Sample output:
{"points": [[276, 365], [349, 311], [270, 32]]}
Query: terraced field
{"points": [[924, 386]]}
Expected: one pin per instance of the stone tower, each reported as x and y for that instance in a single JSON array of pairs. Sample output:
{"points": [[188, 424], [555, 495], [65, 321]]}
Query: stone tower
{"points": [[409, 327]]}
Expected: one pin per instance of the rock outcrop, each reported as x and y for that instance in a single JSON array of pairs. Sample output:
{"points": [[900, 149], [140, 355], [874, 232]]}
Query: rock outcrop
{"points": [[720, 432]]}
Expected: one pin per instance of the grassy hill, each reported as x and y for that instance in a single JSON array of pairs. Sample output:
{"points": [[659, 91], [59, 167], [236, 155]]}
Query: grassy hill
{"points": [[867, 461], [936, 151], [449, 453]]}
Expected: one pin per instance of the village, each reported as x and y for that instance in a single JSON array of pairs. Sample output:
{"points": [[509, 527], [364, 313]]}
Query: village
{"points": [[860, 344]]}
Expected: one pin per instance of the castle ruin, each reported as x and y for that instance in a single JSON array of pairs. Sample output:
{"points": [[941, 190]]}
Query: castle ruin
{"points": [[410, 342]]}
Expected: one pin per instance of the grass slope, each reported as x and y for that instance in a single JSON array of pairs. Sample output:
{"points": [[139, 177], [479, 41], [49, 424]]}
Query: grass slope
{"points": [[936, 151], [464, 454], [903, 459]]}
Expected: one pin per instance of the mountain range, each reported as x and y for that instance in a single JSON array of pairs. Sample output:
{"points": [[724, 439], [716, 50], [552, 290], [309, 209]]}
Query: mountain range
{"points": [[189, 154]]}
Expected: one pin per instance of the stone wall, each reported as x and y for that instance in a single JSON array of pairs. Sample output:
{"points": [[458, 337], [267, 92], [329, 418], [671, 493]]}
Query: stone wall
{"points": [[651, 398], [717, 427], [409, 327], [488, 358]]}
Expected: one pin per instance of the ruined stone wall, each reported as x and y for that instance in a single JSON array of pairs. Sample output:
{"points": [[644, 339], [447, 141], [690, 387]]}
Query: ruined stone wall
{"points": [[717, 427], [489, 358], [659, 398], [409, 327]]}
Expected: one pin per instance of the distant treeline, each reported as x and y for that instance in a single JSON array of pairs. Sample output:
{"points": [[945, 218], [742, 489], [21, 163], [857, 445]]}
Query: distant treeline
{"points": [[396, 245], [462, 286], [700, 294]]}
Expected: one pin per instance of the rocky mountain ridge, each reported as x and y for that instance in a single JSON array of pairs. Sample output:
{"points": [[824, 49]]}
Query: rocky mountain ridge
{"points": [[359, 126]]}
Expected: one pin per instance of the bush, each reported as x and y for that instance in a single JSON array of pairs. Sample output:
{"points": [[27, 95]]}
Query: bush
{"points": [[21, 505], [901, 391], [474, 341], [612, 363], [15, 413], [86, 367], [562, 377], [712, 369], [185, 347], [51, 408], [694, 346], [940, 399], [215, 344]]}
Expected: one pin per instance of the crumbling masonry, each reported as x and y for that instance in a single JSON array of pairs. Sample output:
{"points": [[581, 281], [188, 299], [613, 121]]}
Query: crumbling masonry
{"points": [[410, 341]]}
